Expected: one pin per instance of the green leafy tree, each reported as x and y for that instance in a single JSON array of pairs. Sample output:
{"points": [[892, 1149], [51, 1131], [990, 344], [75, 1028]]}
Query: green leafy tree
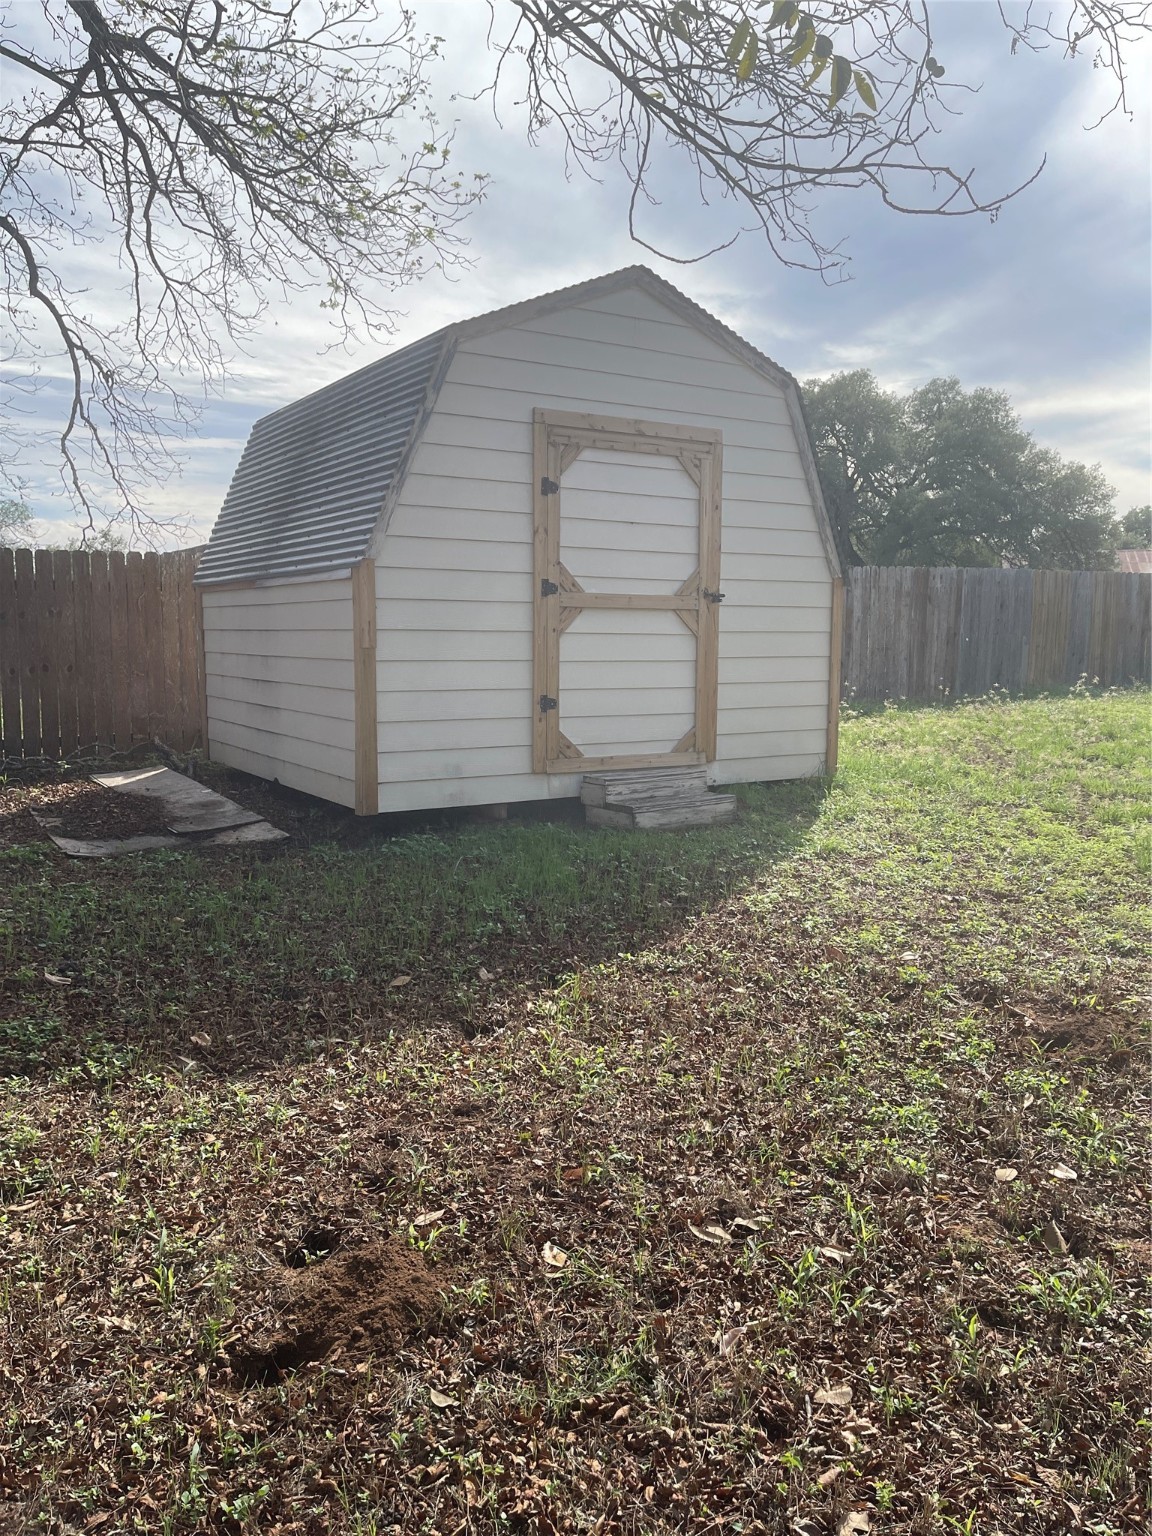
{"points": [[947, 476], [17, 524], [1135, 528]]}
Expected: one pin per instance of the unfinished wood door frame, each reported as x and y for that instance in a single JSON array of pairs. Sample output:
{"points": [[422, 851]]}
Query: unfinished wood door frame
{"points": [[558, 439]]}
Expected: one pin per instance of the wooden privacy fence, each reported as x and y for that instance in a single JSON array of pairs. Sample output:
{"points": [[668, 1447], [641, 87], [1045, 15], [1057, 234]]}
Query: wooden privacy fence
{"points": [[917, 633], [98, 652], [103, 652]]}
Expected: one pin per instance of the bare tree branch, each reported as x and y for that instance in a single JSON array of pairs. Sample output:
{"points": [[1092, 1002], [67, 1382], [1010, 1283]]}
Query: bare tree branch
{"points": [[224, 152]]}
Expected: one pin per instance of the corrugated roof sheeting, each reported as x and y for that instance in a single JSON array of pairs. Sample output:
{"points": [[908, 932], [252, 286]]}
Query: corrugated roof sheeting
{"points": [[313, 476]]}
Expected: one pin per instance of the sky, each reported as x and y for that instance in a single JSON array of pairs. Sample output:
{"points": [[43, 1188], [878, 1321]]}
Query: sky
{"points": [[1050, 302]]}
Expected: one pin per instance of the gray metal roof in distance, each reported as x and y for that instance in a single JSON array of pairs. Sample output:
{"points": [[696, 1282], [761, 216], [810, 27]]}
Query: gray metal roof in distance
{"points": [[315, 476]]}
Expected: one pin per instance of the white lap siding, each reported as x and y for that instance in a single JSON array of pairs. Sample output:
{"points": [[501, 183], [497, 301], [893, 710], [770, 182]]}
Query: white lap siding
{"points": [[454, 566], [279, 668]]}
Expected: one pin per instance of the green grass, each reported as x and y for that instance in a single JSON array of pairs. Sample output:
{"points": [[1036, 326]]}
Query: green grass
{"points": [[1002, 837], [832, 1023]]}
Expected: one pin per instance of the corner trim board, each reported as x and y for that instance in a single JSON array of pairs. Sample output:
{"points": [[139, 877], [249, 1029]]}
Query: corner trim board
{"points": [[364, 687]]}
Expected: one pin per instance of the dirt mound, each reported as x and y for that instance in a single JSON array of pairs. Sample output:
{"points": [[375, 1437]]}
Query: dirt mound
{"points": [[356, 1302], [1081, 1035]]}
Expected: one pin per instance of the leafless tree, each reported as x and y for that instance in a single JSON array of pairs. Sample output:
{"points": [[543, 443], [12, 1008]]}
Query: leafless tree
{"points": [[205, 154], [775, 102], [201, 155]]}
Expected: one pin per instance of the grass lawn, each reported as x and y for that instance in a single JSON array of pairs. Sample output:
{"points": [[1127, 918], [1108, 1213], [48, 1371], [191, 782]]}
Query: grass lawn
{"points": [[787, 1177]]}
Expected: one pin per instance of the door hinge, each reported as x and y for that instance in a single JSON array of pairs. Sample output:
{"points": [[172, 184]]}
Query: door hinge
{"points": [[546, 703], [712, 597], [548, 588], [548, 487]]}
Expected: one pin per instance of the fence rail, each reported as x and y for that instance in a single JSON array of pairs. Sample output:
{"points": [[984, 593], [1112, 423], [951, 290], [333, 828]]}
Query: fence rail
{"points": [[98, 652], [917, 633]]}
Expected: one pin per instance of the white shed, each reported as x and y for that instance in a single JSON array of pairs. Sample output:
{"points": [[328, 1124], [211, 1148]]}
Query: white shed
{"points": [[584, 532]]}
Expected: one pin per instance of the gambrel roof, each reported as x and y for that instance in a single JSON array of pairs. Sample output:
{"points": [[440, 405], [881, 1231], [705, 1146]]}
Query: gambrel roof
{"points": [[316, 476]]}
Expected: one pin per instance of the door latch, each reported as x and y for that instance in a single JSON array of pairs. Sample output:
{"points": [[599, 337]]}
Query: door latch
{"points": [[546, 703], [712, 597], [548, 588]]}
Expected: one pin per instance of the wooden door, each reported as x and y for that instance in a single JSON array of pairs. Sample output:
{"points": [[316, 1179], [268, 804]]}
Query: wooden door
{"points": [[626, 592]]}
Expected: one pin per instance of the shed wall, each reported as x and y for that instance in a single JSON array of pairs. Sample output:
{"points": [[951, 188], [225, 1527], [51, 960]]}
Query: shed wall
{"points": [[278, 662], [454, 582]]}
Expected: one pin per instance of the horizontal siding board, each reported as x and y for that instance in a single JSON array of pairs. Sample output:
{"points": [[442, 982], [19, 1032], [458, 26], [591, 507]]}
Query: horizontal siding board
{"points": [[326, 701], [335, 615], [293, 724], [446, 587], [755, 770], [461, 737], [397, 766], [756, 444], [305, 644], [469, 392], [337, 762], [220, 599], [293, 670], [412, 646], [309, 781], [466, 704], [615, 358], [427, 681], [663, 335], [457, 617], [417, 794], [772, 671], [737, 699]]}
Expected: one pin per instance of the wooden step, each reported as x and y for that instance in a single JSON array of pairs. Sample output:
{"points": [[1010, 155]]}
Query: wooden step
{"points": [[654, 798], [707, 811], [623, 786]]}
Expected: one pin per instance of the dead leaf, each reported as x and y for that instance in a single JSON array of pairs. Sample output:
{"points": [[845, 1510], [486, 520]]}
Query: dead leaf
{"points": [[709, 1234], [426, 1218], [834, 1397], [729, 1340], [483, 975], [574, 1175], [1062, 1171], [400, 981], [855, 1523], [554, 1257], [440, 1399], [837, 1255], [1006, 1175], [1053, 1239], [826, 1479], [202, 1040], [57, 981], [747, 1224]]}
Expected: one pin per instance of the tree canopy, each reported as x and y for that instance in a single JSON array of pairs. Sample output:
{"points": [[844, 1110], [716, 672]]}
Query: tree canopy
{"points": [[1136, 528], [947, 476], [165, 168]]}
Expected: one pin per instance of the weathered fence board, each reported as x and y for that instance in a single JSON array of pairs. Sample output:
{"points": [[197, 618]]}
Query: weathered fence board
{"points": [[98, 652], [912, 633]]}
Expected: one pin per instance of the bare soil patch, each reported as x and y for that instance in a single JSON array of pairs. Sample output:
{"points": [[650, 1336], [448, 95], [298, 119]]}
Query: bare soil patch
{"points": [[348, 1305]]}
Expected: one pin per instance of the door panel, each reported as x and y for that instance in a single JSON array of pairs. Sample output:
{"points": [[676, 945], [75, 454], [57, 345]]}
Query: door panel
{"points": [[625, 627]]}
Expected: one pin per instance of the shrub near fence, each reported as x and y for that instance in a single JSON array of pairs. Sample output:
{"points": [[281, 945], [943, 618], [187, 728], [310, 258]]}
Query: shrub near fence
{"points": [[917, 633], [98, 652]]}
